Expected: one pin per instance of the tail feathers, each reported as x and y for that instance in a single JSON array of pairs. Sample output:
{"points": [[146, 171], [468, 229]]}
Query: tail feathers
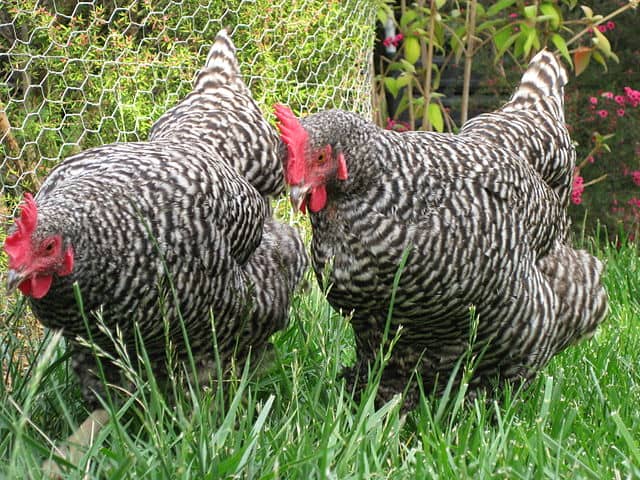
{"points": [[542, 86], [575, 278], [221, 66]]}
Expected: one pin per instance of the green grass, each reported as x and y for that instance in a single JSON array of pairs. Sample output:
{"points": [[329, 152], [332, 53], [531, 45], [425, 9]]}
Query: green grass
{"points": [[579, 419]]}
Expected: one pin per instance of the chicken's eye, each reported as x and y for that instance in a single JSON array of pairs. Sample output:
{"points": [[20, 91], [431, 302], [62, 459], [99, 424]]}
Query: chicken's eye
{"points": [[322, 158], [49, 247]]}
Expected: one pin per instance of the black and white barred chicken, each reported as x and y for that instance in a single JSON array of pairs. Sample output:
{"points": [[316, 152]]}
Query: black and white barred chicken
{"points": [[175, 227], [482, 218]]}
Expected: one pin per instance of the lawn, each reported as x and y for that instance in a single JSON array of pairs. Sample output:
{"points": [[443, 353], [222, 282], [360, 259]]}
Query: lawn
{"points": [[296, 418]]}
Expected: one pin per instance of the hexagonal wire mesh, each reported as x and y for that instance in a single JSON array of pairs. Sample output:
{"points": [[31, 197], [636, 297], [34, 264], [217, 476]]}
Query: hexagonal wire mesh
{"points": [[78, 74]]}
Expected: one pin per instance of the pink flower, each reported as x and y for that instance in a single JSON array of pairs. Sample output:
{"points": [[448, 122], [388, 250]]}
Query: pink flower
{"points": [[632, 95], [591, 159], [634, 202], [513, 15], [620, 112], [593, 100], [607, 94], [602, 113], [620, 100], [635, 176], [395, 41], [578, 189], [602, 28], [611, 25]]}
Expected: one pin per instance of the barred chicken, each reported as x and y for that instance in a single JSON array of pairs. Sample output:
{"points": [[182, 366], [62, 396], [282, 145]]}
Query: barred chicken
{"points": [[175, 229], [476, 219]]}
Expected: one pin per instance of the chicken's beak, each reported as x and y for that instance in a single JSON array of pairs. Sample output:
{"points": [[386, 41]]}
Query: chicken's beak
{"points": [[14, 278], [298, 194]]}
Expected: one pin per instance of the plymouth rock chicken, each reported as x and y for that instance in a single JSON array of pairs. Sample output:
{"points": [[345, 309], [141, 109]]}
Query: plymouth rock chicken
{"points": [[478, 220], [169, 231]]}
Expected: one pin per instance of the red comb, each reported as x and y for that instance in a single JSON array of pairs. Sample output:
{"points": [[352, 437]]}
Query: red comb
{"points": [[296, 138], [16, 243]]}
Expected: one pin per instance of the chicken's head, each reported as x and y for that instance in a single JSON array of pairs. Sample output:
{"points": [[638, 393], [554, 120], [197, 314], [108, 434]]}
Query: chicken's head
{"points": [[309, 167], [34, 257]]}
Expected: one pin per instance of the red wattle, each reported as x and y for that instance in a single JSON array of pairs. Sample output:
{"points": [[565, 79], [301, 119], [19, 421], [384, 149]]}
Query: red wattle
{"points": [[317, 198], [39, 286], [25, 287]]}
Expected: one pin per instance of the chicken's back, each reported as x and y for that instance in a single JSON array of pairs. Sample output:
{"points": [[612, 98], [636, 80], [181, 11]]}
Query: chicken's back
{"points": [[531, 125], [220, 113]]}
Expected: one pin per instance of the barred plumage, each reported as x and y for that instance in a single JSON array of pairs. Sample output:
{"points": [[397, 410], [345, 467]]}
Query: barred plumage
{"points": [[175, 227], [221, 108], [482, 218]]}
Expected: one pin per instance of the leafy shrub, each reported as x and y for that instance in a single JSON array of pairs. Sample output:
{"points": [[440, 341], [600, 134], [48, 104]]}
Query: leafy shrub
{"points": [[80, 74]]}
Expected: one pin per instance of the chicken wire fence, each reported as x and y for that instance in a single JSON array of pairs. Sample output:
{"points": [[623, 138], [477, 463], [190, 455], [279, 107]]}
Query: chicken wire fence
{"points": [[78, 74]]}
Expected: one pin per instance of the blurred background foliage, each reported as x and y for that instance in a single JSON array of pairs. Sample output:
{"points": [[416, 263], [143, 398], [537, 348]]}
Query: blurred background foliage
{"points": [[78, 74]]}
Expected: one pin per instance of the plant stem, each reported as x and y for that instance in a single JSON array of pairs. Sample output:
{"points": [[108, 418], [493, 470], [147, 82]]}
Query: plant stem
{"points": [[468, 59], [615, 13], [427, 63], [412, 115], [595, 180]]}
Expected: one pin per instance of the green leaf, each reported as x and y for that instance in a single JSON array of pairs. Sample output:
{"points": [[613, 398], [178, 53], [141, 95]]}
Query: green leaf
{"points": [[397, 66], [601, 42], [403, 80], [411, 49], [561, 45], [407, 67], [499, 6], [530, 11], [391, 84], [435, 117], [532, 39], [407, 17], [587, 11], [505, 45], [553, 13], [456, 43], [501, 38], [597, 56], [488, 24]]}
